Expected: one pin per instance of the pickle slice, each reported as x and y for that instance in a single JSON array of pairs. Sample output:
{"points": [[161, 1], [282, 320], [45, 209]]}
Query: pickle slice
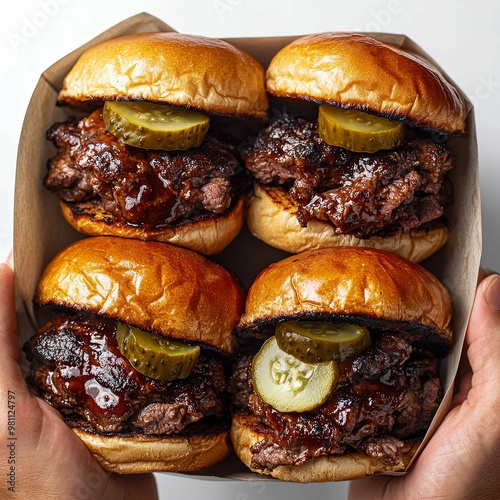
{"points": [[156, 356], [316, 342], [357, 131], [288, 384], [155, 126]]}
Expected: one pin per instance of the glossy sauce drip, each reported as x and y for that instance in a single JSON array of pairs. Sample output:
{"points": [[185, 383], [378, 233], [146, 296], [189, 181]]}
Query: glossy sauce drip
{"points": [[389, 389], [78, 356], [359, 193], [143, 187], [76, 366]]}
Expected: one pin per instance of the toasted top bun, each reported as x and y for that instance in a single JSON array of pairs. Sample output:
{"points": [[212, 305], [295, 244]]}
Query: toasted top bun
{"points": [[182, 70], [356, 71], [154, 286], [362, 285]]}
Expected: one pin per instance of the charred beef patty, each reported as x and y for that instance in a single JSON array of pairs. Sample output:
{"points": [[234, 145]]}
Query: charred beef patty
{"points": [[388, 393], [76, 366], [140, 186], [360, 194]]}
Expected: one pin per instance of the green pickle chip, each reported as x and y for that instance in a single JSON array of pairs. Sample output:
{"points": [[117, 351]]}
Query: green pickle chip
{"points": [[289, 385], [156, 356], [317, 342], [358, 131], [155, 126]]}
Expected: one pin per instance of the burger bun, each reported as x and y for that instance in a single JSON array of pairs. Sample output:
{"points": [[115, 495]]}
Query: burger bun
{"points": [[244, 434], [154, 286], [182, 70], [353, 70], [138, 454], [271, 217]]}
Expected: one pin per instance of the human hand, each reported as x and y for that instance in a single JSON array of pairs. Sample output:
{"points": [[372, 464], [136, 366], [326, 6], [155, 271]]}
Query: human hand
{"points": [[461, 460], [42, 457]]}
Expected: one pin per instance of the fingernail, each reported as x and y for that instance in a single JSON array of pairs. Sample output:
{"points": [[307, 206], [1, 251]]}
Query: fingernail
{"points": [[492, 293]]}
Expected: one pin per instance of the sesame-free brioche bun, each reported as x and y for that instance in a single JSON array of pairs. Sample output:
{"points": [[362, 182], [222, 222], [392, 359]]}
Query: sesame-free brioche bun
{"points": [[362, 286], [172, 68], [352, 70], [137, 453], [184, 71], [245, 433], [271, 216], [208, 234], [350, 284], [159, 288], [154, 286]]}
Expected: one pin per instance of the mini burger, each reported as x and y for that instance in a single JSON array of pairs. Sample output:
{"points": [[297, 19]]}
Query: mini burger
{"points": [[338, 372], [136, 352], [152, 160], [357, 154]]}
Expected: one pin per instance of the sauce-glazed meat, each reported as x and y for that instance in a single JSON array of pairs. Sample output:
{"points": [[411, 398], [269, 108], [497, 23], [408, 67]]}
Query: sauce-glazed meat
{"points": [[360, 194], [140, 186], [369, 412], [76, 366]]}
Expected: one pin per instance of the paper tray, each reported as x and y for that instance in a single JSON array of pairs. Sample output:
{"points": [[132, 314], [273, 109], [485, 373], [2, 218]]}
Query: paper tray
{"points": [[40, 231]]}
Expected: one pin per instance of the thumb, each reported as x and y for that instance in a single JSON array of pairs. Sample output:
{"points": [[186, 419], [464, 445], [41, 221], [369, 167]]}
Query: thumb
{"points": [[9, 353], [483, 334], [11, 377]]}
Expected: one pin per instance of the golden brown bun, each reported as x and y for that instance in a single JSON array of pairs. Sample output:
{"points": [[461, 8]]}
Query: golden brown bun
{"points": [[155, 286], [208, 235], [356, 71], [322, 469], [139, 454], [173, 68], [372, 286], [271, 217]]}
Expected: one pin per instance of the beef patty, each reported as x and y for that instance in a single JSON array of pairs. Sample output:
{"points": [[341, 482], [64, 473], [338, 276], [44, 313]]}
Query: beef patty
{"points": [[358, 193], [386, 394], [140, 186], [77, 367]]}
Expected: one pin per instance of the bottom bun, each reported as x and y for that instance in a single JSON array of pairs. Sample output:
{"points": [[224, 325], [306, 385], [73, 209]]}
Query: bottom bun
{"points": [[206, 235], [271, 217], [137, 454], [321, 469]]}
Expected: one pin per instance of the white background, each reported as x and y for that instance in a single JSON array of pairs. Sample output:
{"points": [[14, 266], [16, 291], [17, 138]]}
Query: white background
{"points": [[462, 36]]}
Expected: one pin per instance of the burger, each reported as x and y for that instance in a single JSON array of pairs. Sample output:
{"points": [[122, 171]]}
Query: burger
{"points": [[337, 375], [357, 153], [151, 157], [136, 350]]}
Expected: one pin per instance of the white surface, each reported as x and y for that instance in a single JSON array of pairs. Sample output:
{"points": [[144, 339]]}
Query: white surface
{"points": [[462, 36]]}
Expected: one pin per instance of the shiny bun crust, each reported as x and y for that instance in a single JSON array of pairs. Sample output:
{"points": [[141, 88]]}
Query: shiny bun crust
{"points": [[207, 236], [321, 469], [372, 286], [173, 68], [138, 454], [271, 217], [154, 286], [356, 71]]}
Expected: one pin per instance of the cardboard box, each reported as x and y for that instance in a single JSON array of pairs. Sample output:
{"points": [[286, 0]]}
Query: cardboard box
{"points": [[40, 231]]}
